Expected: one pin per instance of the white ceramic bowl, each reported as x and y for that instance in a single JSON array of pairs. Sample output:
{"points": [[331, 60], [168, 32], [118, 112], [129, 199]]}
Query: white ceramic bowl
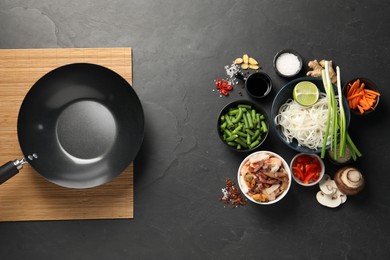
{"points": [[244, 187], [321, 173]]}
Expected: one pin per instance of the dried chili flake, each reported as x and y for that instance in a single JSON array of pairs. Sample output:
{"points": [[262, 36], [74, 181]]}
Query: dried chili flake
{"points": [[232, 195]]}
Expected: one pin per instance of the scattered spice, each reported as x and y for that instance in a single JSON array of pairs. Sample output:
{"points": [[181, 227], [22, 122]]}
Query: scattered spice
{"points": [[232, 195], [232, 71]]}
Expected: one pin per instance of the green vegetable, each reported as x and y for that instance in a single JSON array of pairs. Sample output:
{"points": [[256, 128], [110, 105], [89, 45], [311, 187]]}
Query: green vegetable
{"points": [[342, 120], [253, 114], [250, 132], [242, 127], [341, 159], [231, 138], [245, 106], [241, 134], [249, 117], [228, 120], [256, 134], [254, 144], [336, 119], [264, 127], [238, 117]]}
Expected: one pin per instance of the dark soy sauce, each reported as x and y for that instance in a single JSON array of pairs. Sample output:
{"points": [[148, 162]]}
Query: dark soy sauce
{"points": [[257, 85]]}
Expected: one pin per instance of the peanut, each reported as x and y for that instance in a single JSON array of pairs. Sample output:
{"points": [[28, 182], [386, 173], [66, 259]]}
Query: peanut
{"points": [[245, 58], [252, 61], [238, 61]]}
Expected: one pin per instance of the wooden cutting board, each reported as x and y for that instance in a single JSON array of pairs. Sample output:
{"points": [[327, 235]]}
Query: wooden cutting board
{"points": [[27, 196]]}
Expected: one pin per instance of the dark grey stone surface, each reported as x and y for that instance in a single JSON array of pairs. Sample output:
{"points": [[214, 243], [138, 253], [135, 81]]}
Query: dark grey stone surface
{"points": [[179, 48]]}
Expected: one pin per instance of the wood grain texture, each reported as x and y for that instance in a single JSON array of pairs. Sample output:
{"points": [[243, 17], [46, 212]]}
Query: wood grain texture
{"points": [[28, 196]]}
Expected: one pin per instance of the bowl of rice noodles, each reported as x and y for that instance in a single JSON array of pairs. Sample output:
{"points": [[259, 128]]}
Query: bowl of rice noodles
{"points": [[302, 128]]}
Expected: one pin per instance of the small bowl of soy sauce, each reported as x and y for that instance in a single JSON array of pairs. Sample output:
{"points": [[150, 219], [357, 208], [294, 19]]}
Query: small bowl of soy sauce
{"points": [[258, 85]]}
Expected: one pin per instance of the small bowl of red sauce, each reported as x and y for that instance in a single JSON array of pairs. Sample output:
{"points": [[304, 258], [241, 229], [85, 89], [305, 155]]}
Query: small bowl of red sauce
{"points": [[307, 169]]}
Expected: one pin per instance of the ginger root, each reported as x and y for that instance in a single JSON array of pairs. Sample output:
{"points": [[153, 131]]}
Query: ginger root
{"points": [[317, 67]]}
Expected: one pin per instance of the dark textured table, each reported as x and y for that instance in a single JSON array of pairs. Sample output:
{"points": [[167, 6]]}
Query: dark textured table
{"points": [[179, 49]]}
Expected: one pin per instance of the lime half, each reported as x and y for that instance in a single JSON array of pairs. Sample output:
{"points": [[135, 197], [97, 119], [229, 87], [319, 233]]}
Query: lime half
{"points": [[306, 93]]}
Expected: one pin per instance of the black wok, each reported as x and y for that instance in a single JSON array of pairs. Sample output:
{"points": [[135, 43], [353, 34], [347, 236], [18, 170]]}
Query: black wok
{"points": [[79, 126]]}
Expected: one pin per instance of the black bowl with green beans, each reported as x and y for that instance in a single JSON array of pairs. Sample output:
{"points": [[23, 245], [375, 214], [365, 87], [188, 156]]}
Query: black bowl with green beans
{"points": [[243, 125]]}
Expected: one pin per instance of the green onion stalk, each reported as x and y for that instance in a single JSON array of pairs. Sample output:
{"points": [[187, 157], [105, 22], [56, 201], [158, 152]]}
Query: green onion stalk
{"points": [[337, 117], [342, 120]]}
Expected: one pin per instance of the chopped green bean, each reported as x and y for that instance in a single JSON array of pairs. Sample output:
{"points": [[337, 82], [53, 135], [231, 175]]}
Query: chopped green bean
{"points": [[242, 143], [248, 140], [246, 122], [254, 144], [258, 120], [241, 127], [249, 117], [233, 112], [264, 127], [230, 123], [253, 114], [245, 106], [223, 126], [250, 132], [240, 134], [238, 117], [232, 138], [228, 132], [238, 128], [256, 134], [232, 143]]}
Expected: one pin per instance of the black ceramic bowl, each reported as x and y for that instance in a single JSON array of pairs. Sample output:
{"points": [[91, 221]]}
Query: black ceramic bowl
{"points": [[285, 93], [258, 85], [234, 105], [298, 68], [368, 84]]}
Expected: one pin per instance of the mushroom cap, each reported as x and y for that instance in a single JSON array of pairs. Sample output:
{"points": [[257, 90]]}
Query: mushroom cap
{"points": [[349, 180]]}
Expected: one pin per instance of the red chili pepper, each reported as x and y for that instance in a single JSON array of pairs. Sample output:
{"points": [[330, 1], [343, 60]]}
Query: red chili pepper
{"points": [[298, 172], [224, 84], [229, 87], [306, 169], [312, 167], [224, 92], [218, 83], [308, 177], [304, 159]]}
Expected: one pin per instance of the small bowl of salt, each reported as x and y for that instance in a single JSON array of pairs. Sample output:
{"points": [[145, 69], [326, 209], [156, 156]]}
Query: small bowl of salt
{"points": [[287, 63]]}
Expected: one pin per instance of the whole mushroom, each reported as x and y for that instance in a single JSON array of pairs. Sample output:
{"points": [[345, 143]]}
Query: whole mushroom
{"points": [[349, 180]]}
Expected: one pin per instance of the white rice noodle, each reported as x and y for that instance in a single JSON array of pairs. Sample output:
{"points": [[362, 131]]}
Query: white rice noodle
{"points": [[305, 124]]}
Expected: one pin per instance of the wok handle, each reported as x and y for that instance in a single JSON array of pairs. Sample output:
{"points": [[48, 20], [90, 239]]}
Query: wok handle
{"points": [[7, 171]]}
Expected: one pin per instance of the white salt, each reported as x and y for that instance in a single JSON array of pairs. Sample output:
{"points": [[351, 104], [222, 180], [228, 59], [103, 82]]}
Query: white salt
{"points": [[288, 64]]}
